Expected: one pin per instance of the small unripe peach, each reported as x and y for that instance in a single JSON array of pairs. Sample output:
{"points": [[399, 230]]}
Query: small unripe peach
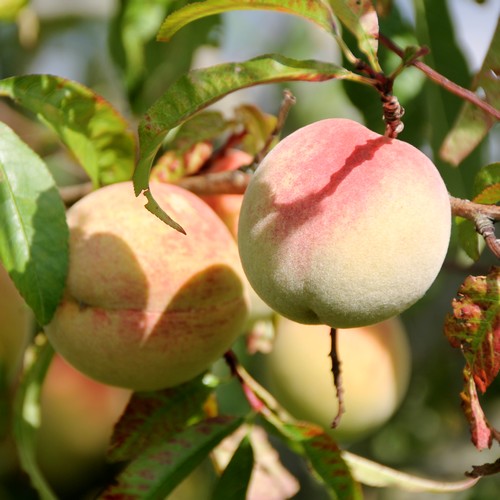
{"points": [[77, 419], [342, 226], [375, 366], [145, 306]]}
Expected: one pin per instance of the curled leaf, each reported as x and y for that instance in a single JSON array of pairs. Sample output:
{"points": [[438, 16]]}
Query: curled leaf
{"points": [[474, 327]]}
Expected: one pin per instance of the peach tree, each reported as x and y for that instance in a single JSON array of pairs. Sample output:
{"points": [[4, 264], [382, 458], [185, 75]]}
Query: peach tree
{"points": [[143, 291]]}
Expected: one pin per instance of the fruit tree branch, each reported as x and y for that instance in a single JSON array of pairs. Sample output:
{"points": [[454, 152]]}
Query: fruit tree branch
{"points": [[483, 216], [436, 77]]}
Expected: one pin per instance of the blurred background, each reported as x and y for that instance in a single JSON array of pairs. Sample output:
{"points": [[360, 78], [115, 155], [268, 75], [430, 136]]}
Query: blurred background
{"points": [[91, 42]]}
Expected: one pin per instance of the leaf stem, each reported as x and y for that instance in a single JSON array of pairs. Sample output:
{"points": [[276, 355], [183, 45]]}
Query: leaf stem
{"points": [[436, 77]]}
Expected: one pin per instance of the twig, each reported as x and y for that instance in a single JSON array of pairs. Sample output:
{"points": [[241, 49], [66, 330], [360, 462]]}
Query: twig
{"points": [[228, 182], [286, 104], [436, 77], [483, 216], [337, 378]]}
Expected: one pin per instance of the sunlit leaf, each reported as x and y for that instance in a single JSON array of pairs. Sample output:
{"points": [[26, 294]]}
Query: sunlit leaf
{"points": [[258, 126], [157, 471], [474, 327], [27, 416], [374, 474], [199, 88], [33, 230], [487, 184], [360, 17], [9, 9], [152, 417], [473, 124], [317, 11], [96, 134]]}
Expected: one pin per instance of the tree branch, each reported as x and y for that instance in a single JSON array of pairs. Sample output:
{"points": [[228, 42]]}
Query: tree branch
{"points": [[483, 217], [436, 77]]}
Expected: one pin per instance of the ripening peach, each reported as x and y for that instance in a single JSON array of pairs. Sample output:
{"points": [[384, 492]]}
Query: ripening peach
{"points": [[145, 306], [375, 363], [342, 226], [227, 207]]}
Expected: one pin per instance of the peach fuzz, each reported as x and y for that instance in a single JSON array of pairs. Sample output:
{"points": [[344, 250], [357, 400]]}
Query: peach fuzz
{"points": [[343, 227], [145, 306], [375, 363]]}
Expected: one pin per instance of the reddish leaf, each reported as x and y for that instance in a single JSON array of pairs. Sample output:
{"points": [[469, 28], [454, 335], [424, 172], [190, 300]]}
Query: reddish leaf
{"points": [[474, 327], [163, 465], [151, 417], [481, 431]]}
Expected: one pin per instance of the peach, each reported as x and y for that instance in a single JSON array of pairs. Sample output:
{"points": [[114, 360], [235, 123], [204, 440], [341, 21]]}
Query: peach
{"points": [[77, 419], [227, 207], [343, 227], [145, 306], [375, 363], [16, 322]]}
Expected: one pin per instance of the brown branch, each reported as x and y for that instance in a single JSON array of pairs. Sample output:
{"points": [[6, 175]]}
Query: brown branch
{"points": [[468, 209], [228, 182], [483, 217], [286, 104], [436, 77], [337, 377]]}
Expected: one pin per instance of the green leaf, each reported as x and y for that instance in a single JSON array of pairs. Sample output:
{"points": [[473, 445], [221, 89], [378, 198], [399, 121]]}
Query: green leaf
{"points": [[487, 184], [360, 17], [156, 472], [473, 124], [317, 11], [205, 126], [258, 126], [33, 230], [324, 455], [326, 458], [374, 474], [96, 134], [147, 66], [233, 483], [468, 237], [27, 414], [202, 87], [151, 417], [9, 9]]}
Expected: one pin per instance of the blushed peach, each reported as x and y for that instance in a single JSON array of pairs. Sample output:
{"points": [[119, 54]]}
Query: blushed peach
{"points": [[145, 306], [342, 226]]}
